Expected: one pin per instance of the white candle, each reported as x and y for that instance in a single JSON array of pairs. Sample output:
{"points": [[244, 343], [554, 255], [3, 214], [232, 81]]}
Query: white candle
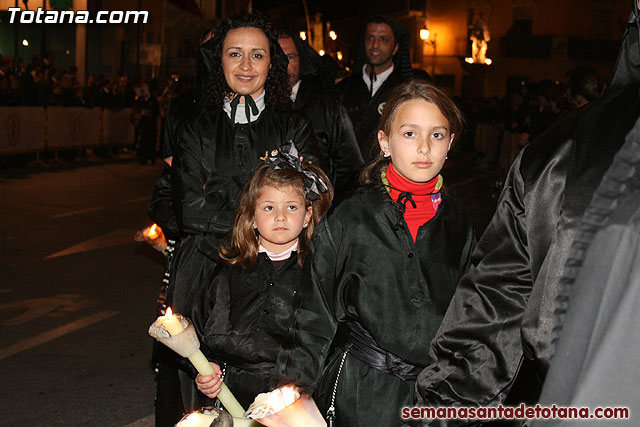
{"points": [[244, 422], [151, 232], [230, 402], [196, 419], [173, 325]]}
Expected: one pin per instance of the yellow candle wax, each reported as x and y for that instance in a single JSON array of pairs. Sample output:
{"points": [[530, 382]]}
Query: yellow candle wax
{"points": [[171, 323], [200, 362], [244, 422], [230, 402], [227, 398]]}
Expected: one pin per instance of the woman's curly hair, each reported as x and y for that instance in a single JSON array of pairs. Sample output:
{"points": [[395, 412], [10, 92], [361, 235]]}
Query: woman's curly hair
{"points": [[276, 87]]}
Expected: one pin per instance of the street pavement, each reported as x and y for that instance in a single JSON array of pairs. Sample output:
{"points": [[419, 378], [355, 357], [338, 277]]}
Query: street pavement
{"points": [[78, 294]]}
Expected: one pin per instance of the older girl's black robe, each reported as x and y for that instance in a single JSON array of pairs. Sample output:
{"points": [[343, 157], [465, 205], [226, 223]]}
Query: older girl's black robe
{"points": [[365, 266]]}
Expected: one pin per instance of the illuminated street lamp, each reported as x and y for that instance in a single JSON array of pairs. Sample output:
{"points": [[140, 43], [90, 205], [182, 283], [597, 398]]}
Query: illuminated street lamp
{"points": [[424, 33], [333, 35], [303, 35], [339, 55], [25, 42], [321, 52]]}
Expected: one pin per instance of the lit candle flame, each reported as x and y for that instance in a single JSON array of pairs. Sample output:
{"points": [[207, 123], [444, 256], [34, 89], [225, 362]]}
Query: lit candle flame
{"points": [[191, 420], [288, 395], [152, 233], [169, 313]]}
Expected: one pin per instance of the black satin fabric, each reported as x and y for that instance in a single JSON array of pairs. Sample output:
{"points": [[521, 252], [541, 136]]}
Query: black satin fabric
{"points": [[242, 317], [503, 308], [595, 363], [213, 159], [160, 208], [334, 132], [364, 268], [365, 110]]}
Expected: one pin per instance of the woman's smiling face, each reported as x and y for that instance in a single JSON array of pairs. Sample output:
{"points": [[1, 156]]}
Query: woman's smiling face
{"points": [[246, 60]]}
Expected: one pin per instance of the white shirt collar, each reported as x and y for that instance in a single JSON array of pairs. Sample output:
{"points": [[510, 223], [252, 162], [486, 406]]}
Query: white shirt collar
{"points": [[294, 91], [241, 115], [379, 78], [282, 255]]}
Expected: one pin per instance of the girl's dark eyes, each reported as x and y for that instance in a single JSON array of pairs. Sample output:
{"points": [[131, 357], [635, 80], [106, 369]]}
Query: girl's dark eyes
{"points": [[409, 134], [268, 208], [293, 207], [258, 55], [438, 135]]}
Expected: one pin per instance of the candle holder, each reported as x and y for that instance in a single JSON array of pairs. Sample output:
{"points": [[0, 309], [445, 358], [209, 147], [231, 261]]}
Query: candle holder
{"points": [[207, 417], [286, 407], [214, 417], [176, 332]]}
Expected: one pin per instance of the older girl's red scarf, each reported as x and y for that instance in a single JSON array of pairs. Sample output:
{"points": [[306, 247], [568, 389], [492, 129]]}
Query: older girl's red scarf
{"points": [[420, 201]]}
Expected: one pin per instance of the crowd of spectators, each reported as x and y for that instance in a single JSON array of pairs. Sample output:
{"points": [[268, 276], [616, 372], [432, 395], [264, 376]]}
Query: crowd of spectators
{"points": [[41, 83], [500, 127], [497, 127]]}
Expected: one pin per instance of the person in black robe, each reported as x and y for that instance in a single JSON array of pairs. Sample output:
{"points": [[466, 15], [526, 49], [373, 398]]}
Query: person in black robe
{"points": [[330, 120], [382, 65], [495, 338], [243, 315], [244, 115], [145, 111], [383, 266], [595, 362]]}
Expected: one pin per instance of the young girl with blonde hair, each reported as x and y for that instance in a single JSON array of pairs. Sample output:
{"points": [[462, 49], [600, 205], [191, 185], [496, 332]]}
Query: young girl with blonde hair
{"points": [[242, 316]]}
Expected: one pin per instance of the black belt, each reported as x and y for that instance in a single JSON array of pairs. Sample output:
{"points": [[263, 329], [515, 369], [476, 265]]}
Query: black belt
{"points": [[352, 337]]}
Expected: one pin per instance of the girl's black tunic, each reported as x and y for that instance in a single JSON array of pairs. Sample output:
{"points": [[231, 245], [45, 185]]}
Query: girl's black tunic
{"points": [[365, 267], [213, 159], [242, 316]]}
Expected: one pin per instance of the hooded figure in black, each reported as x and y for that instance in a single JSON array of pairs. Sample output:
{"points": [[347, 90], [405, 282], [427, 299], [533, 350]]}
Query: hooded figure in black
{"points": [[596, 343], [498, 328], [242, 115], [383, 63], [169, 406], [311, 89]]}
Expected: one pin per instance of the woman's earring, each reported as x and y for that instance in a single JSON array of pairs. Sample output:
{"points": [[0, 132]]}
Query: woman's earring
{"points": [[386, 154], [446, 157], [305, 225]]}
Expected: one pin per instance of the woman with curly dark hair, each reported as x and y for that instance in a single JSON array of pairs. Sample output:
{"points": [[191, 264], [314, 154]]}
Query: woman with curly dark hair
{"points": [[242, 114], [219, 87]]}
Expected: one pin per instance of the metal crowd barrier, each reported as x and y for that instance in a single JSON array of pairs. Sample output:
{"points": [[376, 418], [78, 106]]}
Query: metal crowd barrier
{"points": [[34, 129]]}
